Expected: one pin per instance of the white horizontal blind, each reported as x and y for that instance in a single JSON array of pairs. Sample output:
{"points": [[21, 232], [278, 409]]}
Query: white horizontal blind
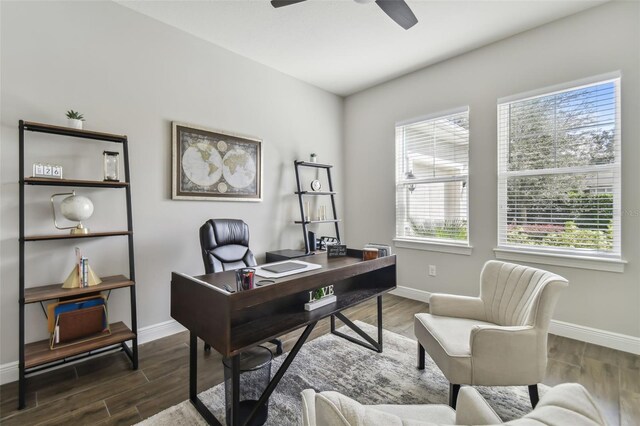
{"points": [[432, 168], [559, 171]]}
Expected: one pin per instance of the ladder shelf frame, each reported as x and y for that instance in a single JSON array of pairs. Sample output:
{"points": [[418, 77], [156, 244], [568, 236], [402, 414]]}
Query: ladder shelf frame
{"points": [[300, 193], [95, 348]]}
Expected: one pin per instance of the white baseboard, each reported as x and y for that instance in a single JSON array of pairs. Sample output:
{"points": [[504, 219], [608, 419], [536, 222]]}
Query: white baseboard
{"points": [[9, 371], [412, 293], [609, 339], [158, 331]]}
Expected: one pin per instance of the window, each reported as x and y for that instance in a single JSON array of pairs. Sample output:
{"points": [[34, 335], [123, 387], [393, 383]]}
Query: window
{"points": [[559, 171], [432, 163]]}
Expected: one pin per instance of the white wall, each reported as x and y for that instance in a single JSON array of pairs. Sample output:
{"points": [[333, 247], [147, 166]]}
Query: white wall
{"points": [[600, 40], [132, 75]]}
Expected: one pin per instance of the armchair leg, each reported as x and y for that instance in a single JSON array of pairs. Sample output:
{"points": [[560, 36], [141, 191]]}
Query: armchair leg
{"points": [[533, 395], [453, 394], [420, 357]]}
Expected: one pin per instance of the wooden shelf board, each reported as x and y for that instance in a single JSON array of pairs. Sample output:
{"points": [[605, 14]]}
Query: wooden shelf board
{"points": [[318, 221], [70, 236], [68, 131], [318, 165], [38, 353], [55, 291], [74, 182], [316, 192]]}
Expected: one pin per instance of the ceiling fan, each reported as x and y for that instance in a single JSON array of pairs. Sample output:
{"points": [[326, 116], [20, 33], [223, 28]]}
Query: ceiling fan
{"points": [[397, 10]]}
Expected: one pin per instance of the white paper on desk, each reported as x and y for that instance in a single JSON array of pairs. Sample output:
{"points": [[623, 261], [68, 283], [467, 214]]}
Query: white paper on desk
{"points": [[268, 274]]}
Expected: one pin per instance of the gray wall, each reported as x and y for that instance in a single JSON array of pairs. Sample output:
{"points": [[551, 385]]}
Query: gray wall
{"points": [[132, 75], [600, 40]]}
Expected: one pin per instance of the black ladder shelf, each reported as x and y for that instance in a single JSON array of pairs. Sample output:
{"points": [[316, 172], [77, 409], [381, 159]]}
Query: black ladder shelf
{"points": [[37, 356], [301, 194]]}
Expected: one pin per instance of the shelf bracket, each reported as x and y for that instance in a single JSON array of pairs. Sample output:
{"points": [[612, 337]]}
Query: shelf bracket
{"points": [[46, 315]]}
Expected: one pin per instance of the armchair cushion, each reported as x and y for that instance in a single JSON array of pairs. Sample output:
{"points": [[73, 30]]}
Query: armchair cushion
{"points": [[335, 409], [565, 404]]}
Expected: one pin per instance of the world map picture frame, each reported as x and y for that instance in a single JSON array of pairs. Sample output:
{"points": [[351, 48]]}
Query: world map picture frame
{"points": [[214, 165]]}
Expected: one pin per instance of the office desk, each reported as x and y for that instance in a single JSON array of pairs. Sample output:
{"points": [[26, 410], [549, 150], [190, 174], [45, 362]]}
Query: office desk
{"points": [[233, 322]]}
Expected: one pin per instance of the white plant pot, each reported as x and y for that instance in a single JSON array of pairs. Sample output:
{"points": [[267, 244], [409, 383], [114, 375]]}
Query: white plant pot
{"points": [[76, 124], [313, 159]]}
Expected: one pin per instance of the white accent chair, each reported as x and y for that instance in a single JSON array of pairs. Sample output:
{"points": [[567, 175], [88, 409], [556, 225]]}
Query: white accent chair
{"points": [[566, 404], [497, 339]]}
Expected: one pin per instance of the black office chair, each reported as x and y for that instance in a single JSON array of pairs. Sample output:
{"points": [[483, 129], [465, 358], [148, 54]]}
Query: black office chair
{"points": [[225, 246]]}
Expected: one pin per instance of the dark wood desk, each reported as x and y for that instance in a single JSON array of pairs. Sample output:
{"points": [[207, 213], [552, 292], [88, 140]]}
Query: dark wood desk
{"points": [[234, 322]]}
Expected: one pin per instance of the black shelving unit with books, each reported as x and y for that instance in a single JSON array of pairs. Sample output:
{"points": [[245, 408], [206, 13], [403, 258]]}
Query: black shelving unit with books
{"points": [[37, 356], [302, 194]]}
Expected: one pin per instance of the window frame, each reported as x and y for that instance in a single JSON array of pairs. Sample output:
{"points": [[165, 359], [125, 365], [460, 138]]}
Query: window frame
{"points": [[431, 243], [564, 256]]}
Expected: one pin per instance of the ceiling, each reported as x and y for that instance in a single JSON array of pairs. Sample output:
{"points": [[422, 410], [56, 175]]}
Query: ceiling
{"points": [[343, 46]]}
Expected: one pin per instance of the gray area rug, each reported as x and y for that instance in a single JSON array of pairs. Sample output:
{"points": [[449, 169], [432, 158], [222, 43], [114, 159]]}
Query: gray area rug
{"points": [[332, 363]]}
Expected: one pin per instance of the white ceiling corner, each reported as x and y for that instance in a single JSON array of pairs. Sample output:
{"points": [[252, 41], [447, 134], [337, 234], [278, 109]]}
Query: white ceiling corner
{"points": [[343, 46]]}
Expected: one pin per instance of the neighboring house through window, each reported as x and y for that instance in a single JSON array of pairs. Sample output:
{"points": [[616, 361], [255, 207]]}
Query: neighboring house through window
{"points": [[559, 171], [432, 171]]}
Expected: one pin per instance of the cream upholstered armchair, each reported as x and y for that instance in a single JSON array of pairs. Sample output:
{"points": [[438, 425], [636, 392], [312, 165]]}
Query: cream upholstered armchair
{"points": [[566, 404], [497, 339]]}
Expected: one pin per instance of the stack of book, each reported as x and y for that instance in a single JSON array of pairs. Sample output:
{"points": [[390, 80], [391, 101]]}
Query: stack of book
{"points": [[83, 268], [81, 276]]}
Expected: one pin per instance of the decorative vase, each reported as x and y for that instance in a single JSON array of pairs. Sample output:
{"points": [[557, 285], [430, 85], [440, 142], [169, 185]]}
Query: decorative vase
{"points": [[76, 124], [313, 158]]}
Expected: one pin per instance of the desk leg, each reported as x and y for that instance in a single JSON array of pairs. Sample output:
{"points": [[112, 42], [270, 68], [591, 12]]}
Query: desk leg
{"points": [[193, 382], [369, 342], [235, 390], [380, 324], [193, 366]]}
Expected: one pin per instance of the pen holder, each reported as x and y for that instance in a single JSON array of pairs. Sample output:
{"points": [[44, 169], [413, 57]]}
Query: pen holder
{"points": [[244, 278]]}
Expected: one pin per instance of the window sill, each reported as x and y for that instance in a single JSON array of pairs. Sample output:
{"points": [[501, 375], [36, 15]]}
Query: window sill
{"points": [[441, 247], [559, 259]]}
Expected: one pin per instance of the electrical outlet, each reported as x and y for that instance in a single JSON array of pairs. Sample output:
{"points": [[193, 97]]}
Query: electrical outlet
{"points": [[432, 270]]}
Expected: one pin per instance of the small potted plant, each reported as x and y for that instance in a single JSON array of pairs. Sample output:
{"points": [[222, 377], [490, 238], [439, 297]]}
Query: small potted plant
{"points": [[313, 158], [75, 119]]}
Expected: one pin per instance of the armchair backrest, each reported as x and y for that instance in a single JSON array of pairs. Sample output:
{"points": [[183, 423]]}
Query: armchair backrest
{"points": [[225, 245], [516, 295]]}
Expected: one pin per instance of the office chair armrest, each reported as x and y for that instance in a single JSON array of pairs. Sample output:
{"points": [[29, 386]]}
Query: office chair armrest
{"points": [[504, 356], [451, 305], [473, 409]]}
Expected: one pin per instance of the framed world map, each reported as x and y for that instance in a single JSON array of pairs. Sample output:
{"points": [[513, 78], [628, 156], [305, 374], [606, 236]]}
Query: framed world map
{"points": [[213, 165]]}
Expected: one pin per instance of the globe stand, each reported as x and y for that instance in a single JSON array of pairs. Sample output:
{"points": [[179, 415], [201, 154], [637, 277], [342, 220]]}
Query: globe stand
{"points": [[79, 230]]}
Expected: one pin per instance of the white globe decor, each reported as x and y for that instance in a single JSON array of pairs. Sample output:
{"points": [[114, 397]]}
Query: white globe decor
{"points": [[75, 208]]}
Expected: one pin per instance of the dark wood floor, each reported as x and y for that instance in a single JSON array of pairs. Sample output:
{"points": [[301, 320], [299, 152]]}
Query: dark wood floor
{"points": [[105, 390]]}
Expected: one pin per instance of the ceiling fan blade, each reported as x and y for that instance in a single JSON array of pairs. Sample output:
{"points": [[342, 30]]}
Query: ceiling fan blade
{"points": [[399, 11], [280, 3]]}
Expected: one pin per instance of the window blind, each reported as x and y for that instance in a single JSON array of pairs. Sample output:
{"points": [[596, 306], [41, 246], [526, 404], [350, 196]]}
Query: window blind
{"points": [[432, 162], [559, 171]]}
